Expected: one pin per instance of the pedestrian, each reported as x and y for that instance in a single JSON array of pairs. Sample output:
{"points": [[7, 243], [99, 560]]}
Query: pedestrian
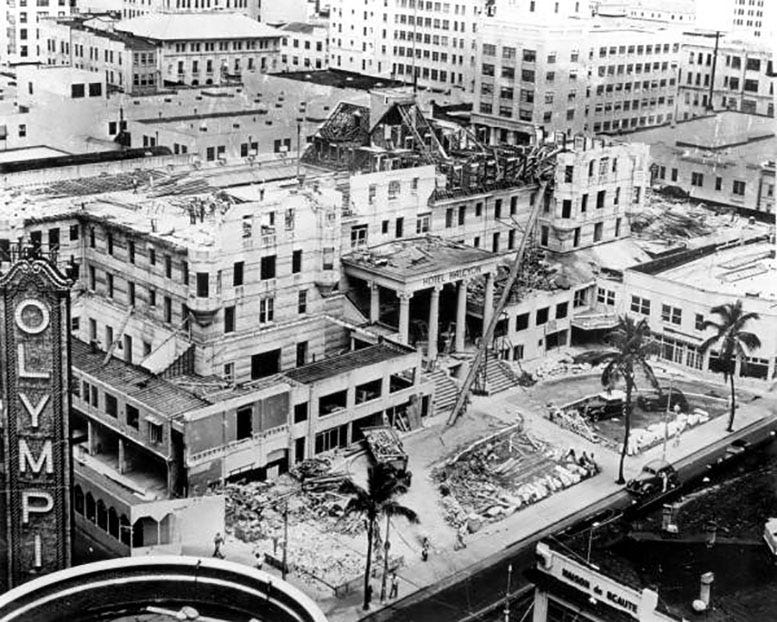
{"points": [[369, 594], [425, 549], [217, 542], [460, 544], [394, 586], [259, 560], [677, 437]]}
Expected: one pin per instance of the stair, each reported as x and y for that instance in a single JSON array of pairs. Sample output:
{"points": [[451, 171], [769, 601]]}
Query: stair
{"points": [[499, 376], [445, 391]]}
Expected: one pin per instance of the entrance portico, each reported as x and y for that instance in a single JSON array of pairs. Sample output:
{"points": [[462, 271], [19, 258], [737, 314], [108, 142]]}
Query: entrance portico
{"points": [[426, 265]]}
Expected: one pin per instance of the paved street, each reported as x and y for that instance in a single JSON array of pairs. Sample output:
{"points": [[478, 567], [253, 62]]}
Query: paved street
{"points": [[446, 566]]}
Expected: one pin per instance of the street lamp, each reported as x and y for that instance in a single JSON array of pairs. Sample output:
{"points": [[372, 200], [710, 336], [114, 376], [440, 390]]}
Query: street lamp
{"points": [[590, 540], [507, 593]]}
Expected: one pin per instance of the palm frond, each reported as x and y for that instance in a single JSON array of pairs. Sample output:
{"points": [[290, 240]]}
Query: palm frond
{"points": [[750, 340], [393, 508]]}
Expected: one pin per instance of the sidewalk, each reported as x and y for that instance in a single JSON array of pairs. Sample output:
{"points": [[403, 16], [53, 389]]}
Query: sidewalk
{"points": [[445, 563]]}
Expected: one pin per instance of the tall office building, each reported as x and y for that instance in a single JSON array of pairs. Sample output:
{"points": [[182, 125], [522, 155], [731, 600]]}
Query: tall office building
{"points": [[570, 72], [429, 43]]}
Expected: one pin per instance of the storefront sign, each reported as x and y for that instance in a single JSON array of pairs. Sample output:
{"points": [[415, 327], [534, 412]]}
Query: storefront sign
{"points": [[595, 585], [37, 473], [455, 275]]}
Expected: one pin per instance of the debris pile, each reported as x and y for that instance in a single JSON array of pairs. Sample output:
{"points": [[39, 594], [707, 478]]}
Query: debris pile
{"points": [[641, 439], [565, 366], [324, 543], [498, 475]]}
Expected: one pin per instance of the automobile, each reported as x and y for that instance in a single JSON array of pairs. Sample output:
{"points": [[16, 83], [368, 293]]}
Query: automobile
{"points": [[604, 405], [657, 401], [657, 477]]}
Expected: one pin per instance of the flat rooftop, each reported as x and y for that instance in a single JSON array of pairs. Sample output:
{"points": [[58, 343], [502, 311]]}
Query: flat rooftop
{"points": [[25, 154], [344, 363], [196, 26], [747, 270], [416, 257], [342, 79], [156, 393], [743, 134]]}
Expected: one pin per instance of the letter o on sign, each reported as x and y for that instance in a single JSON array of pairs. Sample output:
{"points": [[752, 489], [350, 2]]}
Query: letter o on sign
{"points": [[29, 310]]}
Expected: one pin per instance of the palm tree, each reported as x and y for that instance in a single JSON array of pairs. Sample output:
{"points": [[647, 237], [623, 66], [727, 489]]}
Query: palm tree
{"points": [[633, 345], [734, 343], [379, 499]]}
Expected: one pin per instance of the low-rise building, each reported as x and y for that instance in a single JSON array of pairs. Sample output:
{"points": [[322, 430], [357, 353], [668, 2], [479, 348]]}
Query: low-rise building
{"points": [[304, 46], [128, 63], [725, 158], [738, 74], [569, 587], [207, 48]]}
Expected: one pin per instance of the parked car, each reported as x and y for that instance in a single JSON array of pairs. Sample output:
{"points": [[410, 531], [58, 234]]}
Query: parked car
{"points": [[657, 476], [656, 401], [604, 405]]}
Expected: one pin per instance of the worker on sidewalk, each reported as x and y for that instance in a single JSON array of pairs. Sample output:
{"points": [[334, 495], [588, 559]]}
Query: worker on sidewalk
{"points": [[394, 586], [460, 533], [218, 541]]}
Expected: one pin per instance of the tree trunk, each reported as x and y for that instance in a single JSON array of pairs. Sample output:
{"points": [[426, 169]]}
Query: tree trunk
{"points": [[370, 529], [386, 546], [730, 427], [626, 430]]}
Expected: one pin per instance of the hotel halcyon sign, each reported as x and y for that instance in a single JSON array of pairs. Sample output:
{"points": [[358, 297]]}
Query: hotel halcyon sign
{"points": [[35, 500]]}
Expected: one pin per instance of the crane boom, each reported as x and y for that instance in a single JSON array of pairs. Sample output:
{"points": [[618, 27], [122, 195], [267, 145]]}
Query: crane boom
{"points": [[466, 386]]}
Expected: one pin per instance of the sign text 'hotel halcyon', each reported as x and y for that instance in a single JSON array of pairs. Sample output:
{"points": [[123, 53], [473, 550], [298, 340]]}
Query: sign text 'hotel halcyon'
{"points": [[36, 477]]}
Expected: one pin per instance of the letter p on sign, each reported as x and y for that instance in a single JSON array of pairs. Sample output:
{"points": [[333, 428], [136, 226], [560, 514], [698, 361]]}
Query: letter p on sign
{"points": [[36, 507]]}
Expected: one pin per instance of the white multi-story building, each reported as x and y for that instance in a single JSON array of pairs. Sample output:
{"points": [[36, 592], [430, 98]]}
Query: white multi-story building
{"points": [[304, 46], [20, 40], [754, 19], [134, 8], [429, 43], [130, 64], [738, 72], [207, 48], [572, 74]]}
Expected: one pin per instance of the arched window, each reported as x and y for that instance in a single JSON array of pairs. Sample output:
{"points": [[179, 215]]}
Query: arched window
{"points": [[90, 510], [113, 523], [78, 499], [125, 530], [102, 515]]}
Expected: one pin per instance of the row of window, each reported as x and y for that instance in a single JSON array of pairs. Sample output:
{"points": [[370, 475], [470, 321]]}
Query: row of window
{"points": [[669, 313], [266, 311], [541, 316], [697, 179], [90, 394]]}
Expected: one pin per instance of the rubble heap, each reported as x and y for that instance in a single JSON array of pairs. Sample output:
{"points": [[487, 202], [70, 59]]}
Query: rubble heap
{"points": [[324, 544], [499, 475]]}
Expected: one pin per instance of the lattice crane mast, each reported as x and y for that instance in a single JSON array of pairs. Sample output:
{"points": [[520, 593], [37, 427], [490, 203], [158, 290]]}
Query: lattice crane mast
{"points": [[542, 164]]}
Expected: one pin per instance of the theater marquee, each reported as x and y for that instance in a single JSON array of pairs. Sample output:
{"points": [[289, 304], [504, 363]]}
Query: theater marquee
{"points": [[36, 477]]}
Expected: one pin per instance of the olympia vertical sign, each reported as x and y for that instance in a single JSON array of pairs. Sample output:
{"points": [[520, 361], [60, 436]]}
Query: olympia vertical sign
{"points": [[37, 471]]}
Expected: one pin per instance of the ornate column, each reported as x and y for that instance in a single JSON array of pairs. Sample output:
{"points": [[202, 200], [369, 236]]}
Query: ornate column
{"points": [[461, 316], [488, 301], [374, 303], [434, 320], [404, 315]]}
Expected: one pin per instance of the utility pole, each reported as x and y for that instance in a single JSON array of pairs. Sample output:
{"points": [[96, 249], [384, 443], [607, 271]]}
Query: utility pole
{"points": [[666, 419], [299, 131], [285, 538], [712, 77], [507, 593]]}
